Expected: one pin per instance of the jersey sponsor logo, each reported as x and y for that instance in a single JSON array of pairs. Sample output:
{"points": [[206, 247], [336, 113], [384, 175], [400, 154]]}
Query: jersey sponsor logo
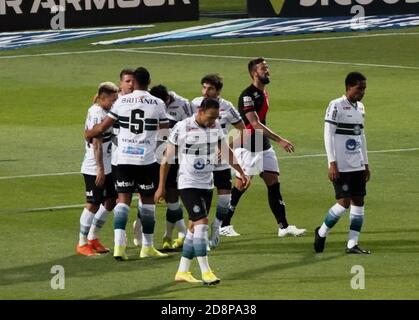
{"points": [[146, 186], [122, 184], [199, 164], [274, 26], [134, 150]]}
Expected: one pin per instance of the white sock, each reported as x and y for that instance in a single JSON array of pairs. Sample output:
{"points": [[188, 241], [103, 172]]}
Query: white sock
{"points": [[147, 240], [98, 222], [86, 219], [169, 229], [184, 264], [356, 213], [201, 233], [181, 226], [338, 211], [203, 264], [120, 237]]}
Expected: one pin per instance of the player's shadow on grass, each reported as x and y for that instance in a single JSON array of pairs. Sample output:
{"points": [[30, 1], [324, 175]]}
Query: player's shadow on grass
{"points": [[80, 266]]}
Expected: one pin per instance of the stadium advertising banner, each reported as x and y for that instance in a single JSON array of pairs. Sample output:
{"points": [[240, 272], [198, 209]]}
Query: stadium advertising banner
{"points": [[329, 8], [18, 15]]}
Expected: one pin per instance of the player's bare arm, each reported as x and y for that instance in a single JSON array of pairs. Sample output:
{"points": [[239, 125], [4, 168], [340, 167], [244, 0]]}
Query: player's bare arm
{"points": [[97, 150], [231, 158], [99, 129], [164, 171], [257, 125]]}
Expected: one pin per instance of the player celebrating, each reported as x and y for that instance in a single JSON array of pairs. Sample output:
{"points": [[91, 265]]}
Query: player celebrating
{"points": [[346, 149], [197, 139], [96, 169], [139, 115], [177, 109]]}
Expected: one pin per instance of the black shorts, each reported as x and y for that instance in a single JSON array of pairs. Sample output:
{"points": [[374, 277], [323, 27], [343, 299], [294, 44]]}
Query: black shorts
{"points": [[350, 184], [171, 181], [197, 202], [141, 179], [97, 195], [222, 179]]}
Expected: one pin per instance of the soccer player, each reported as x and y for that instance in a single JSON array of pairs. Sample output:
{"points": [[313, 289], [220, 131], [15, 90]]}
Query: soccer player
{"points": [[139, 115], [196, 139], [177, 109], [346, 149], [257, 155], [126, 86], [212, 85], [96, 169]]}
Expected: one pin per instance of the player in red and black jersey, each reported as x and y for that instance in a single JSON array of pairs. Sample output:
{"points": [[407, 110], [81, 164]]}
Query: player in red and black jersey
{"points": [[256, 155]]}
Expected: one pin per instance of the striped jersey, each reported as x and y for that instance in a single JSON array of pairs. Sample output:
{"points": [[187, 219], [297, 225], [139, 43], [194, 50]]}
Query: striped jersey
{"points": [[95, 115], [228, 116], [197, 152], [347, 135], [139, 115]]}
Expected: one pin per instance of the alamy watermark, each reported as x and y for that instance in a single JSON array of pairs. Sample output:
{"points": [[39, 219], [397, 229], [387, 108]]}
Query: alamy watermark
{"points": [[58, 280], [358, 280]]}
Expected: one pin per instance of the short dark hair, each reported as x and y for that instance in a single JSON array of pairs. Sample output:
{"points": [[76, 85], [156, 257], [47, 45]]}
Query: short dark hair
{"points": [[142, 76], [127, 71], [253, 63], [160, 91], [213, 79], [209, 103], [353, 78]]}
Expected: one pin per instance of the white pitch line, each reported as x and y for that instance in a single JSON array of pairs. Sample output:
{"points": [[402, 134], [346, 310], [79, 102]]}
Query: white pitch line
{"points": [[285, 157], [40, 175], [52, 54], [202, 55], [277, 41], [324, 155]]}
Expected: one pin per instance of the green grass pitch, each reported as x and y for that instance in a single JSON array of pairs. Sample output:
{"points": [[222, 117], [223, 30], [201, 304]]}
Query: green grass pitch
{"points": [[43, 103]]}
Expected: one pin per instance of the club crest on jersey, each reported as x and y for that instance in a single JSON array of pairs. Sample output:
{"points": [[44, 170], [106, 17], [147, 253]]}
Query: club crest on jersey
{"points": [[351, 144], [199, 164]]}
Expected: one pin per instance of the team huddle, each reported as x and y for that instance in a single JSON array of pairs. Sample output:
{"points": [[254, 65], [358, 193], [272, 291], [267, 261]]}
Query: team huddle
{"points": [[158, 145]]}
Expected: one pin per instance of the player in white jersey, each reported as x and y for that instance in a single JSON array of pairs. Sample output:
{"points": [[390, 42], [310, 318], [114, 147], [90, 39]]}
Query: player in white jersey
{"points": [[96, 170], [140, 115], [177, 109], [346, 148], [212, 85], [197, 140]]}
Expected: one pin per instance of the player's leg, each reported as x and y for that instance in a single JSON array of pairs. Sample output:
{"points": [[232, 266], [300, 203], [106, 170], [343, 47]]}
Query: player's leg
{"points": [[222, 181], [125, 188], [198, 202], [93, 198], [188, 253], [358, 191], [147, 182], [245, 159], [101, 215], [270, 176], [174, 212], [137, 225], [334, 213]]}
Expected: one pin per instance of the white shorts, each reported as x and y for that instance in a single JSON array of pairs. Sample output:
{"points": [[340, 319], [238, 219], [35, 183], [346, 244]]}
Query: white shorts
{"points": [[253, 163]]}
